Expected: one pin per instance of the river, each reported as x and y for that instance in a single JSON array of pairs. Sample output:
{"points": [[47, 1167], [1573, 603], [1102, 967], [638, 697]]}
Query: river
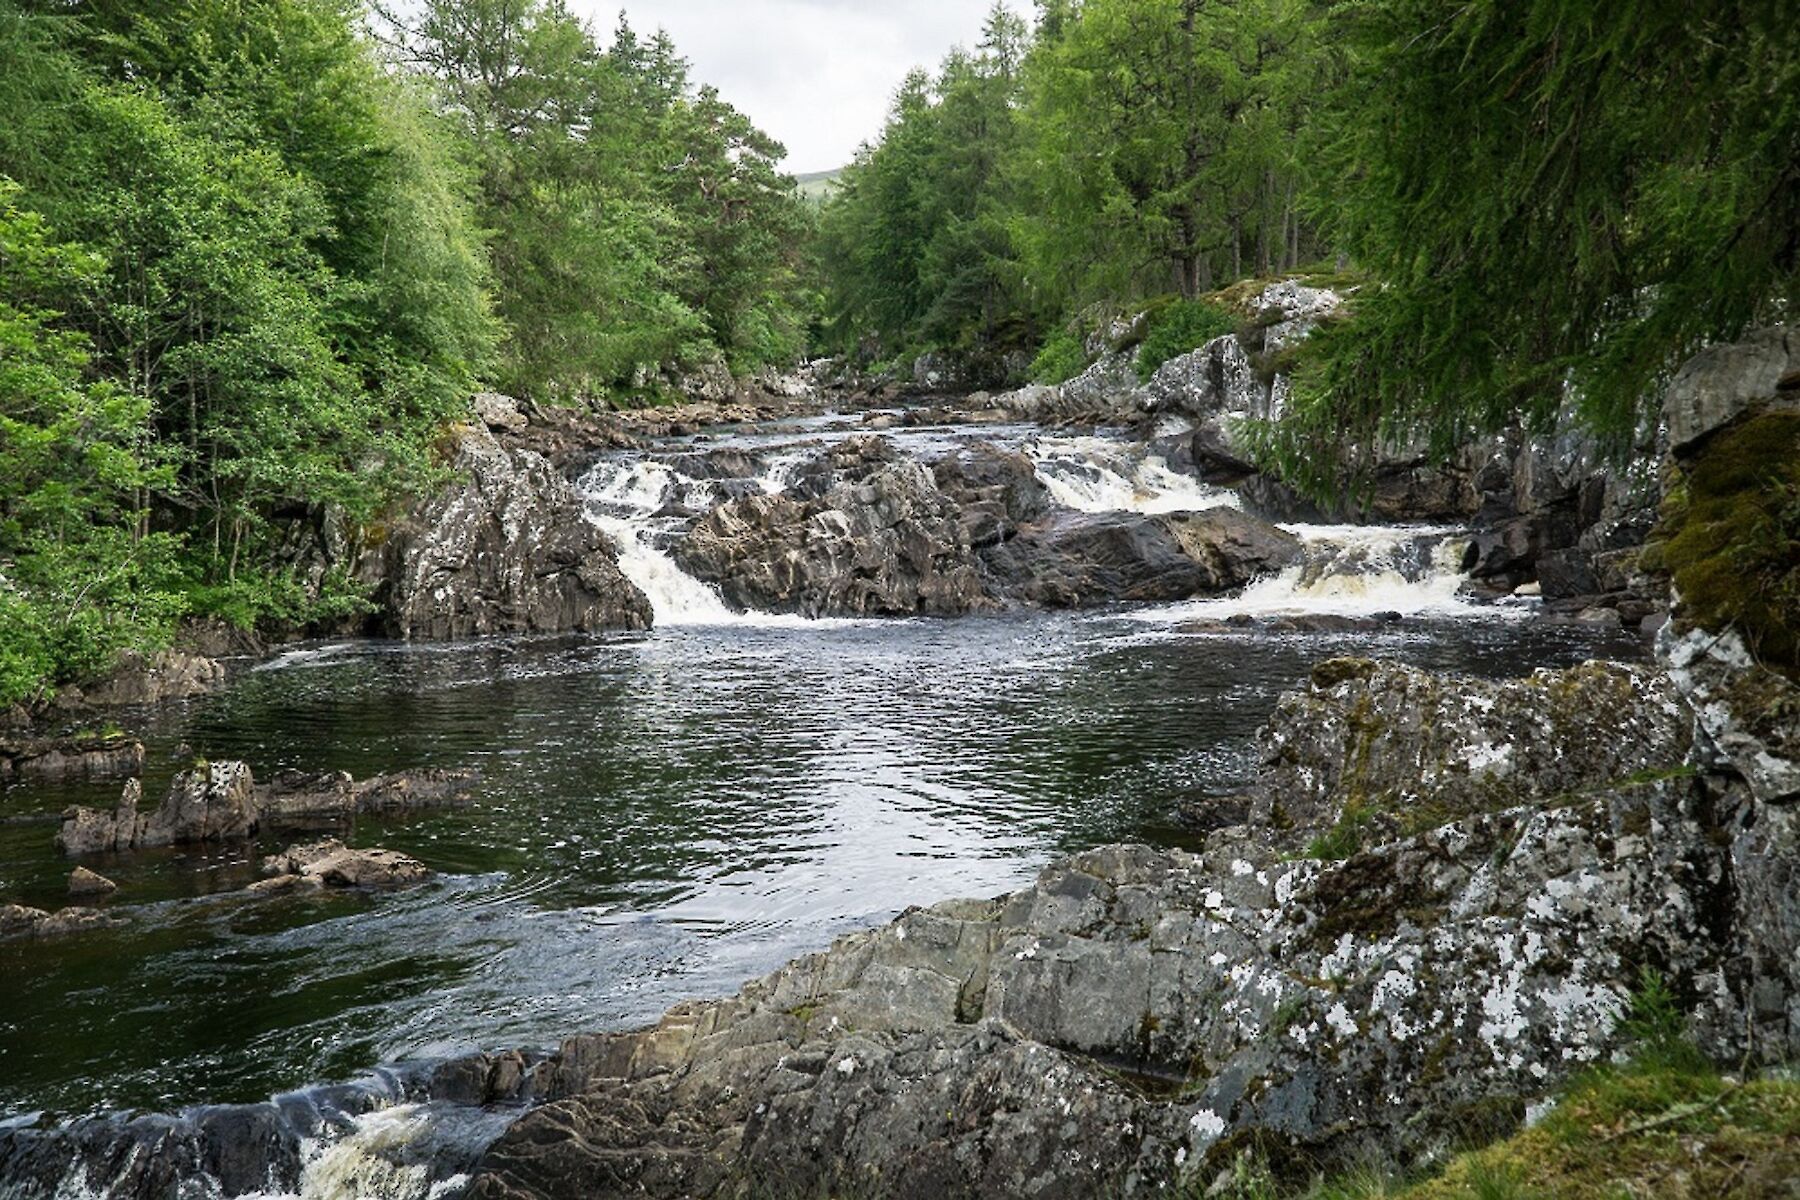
{"points": [[664, 815]]}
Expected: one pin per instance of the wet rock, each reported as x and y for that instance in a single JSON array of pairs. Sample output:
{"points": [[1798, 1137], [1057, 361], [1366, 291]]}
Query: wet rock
{"points": [[19, 923], [1377, 749], [87, 885], [331, 864], [997, 492], [862, 533], [80, 756], [221, 802], [213, 803], [503, 550], [293, 799], [1074, 560], [484, 1079]]}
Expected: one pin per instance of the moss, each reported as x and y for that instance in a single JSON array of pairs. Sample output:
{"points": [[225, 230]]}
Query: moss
{"points": [[1730, 538]]}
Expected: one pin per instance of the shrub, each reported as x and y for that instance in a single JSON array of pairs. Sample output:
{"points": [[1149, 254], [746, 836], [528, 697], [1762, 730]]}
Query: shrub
{"points": [[1177, 328], [1062, 358]]}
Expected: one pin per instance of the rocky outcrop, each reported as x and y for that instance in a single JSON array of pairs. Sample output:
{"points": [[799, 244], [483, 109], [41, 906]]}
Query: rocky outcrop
{"points": [[1074, 560], [331, 864], [505, 549], [221, 802], [19, 923], [1136, 1018], [861, 533], [142, 678], [1374, 750], [214, 803], [1748, 715], [1721, 385], [79, 756]]}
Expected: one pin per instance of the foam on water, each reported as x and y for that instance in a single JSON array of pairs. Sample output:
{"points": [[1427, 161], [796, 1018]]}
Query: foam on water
{"points": [[624, 498], [1352, 570], [1097, 474]]}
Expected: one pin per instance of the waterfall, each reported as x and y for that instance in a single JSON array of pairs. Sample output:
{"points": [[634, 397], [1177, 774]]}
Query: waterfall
{"points": [[1352, 570], [627, 500], [1096, 474]]}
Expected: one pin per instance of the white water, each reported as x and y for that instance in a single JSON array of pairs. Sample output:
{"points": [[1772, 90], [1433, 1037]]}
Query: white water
{"points": [[1346, 570], [1095, 475], [1351, 570], [623, 500]]}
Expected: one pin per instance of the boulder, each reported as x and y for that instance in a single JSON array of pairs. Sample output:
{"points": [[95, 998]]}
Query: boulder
{"points": [[19, 923], [504, 549], [221, 802], [80, 756], [1722, 384], [85, 884], [1215, 380], [331, 864], [1074, 560], [499, 413], [1373, 750]]}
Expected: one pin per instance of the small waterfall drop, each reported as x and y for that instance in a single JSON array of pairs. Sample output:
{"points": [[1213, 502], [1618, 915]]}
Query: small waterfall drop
{"points": [[1354, 571], [628, 500], [1096, 475]]}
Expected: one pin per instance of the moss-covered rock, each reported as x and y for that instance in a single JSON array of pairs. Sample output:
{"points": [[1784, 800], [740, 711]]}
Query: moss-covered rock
{"points": [[1730, 537]]}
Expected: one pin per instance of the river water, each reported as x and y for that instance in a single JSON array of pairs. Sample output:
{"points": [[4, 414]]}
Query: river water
{"points": [[664, 815]]}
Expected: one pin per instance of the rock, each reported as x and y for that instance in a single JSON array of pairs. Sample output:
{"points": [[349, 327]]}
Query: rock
{"points": [[222, 803], [1377, 749], [1217, 379], [1718, 386], [869, 535], [997, 492], [1075, 560], [1749, 715], [1137, 1016], [499, 413], [332, 864], [86, 884], [214, 803], [81, 756], [19, 923], [138, 678], [505, 549]]}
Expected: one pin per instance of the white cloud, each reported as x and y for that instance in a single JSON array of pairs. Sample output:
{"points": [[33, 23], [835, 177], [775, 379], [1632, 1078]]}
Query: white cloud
{"points": [[816, 74]]}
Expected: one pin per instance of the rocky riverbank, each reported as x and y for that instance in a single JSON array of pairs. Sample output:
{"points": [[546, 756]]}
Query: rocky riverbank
{"points": [[1429, 913]]}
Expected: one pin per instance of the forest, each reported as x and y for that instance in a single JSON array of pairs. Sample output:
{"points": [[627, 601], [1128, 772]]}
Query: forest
{"points": [[255, 255]]}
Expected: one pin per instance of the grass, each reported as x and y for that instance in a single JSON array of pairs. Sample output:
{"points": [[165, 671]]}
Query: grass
{"points": [[1655, 1128]]}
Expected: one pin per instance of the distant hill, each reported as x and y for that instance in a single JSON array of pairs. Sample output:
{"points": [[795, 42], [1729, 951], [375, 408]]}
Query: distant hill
{"points": [[816, 185]]}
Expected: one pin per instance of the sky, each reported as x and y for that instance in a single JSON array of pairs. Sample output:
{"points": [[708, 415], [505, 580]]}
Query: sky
{"points": [[816, 74]]}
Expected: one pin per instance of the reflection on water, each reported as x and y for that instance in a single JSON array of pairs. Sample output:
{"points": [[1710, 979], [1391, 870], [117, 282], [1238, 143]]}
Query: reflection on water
{"points": [[660, 816]]}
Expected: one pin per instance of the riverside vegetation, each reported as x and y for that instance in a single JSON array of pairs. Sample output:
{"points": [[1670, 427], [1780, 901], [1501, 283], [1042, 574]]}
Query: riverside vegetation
{"points": [[1527, 268]]}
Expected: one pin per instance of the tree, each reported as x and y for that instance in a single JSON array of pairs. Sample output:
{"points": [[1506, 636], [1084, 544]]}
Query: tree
{"points": [[80, 574], [1160, 144], [1557, 202]]}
